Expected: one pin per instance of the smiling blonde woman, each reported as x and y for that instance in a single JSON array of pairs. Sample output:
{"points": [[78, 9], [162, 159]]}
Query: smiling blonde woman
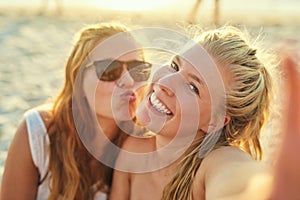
{"points": [[228, 108]]}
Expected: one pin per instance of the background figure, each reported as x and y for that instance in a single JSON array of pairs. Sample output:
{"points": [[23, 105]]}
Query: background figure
{"points": [[47, 158], [192, 19], [46, 3]]}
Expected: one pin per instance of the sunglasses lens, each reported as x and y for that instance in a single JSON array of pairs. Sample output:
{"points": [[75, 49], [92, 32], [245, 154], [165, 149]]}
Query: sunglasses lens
{"points": [[111, 70], [139, 70], [108, 70]]}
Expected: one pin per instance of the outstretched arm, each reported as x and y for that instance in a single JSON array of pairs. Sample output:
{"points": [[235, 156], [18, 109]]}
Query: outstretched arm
{"points": [[287, 171]]}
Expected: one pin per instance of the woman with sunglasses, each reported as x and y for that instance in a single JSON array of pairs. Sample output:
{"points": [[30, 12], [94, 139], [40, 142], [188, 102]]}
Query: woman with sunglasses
{"points": [[52, 155], [208, 108]]}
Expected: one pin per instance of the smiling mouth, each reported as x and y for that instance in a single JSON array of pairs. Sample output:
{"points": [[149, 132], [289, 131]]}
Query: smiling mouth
{"points": [[158, 105]]}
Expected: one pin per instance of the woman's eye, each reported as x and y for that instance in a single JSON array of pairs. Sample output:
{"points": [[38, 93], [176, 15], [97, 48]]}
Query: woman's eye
{"points": [[193, 88], [174, 66]]}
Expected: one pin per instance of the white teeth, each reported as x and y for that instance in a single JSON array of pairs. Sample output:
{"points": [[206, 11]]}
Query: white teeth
{"points": [[158, 105]]}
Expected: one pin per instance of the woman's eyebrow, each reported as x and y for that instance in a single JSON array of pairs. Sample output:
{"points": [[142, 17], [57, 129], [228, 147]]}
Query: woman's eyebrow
{"points": [[197, 79], [177, 58]]}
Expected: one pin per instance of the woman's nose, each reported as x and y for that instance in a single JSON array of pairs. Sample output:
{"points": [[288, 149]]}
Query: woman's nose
{"points": [[125, 81], [170, 83]]}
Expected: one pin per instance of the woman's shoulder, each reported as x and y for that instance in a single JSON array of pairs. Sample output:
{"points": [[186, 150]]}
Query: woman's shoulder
{"points": [[228, 154], [225, 158], [228, 171], [44, 111]]}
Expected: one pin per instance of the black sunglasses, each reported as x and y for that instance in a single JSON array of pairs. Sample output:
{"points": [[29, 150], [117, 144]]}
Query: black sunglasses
{"points": [[111, 70]]}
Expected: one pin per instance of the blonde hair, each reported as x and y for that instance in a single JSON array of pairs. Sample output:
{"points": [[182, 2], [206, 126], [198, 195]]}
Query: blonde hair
{"points": [[247, 102], [69, 168]]}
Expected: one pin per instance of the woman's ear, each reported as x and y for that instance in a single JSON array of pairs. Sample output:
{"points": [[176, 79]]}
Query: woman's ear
{"points": [[227, 120]]}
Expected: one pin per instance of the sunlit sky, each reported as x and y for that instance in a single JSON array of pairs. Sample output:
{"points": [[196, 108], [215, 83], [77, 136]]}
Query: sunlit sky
{"points": [[141, 5]]}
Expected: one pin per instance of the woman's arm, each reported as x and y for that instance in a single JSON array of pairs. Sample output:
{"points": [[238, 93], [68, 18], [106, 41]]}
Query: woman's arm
{"points": [[287, 169], [20, 177]]}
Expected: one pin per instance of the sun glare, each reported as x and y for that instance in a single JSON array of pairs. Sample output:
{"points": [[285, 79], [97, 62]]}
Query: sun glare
{"points": [[133, 5]]}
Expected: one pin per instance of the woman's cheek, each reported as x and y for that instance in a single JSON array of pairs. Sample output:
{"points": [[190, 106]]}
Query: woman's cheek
{"points": [[142, 114]]}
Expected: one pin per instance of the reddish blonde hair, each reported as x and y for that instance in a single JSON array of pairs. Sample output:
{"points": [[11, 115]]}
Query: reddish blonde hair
{"points": [[69, 166]]}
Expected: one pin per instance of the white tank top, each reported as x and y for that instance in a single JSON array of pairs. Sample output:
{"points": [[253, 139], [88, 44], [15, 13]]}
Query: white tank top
{"points": [[39, 147]]}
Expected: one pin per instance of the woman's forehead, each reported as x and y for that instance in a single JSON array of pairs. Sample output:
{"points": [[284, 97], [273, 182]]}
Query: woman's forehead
{"points": [[198, 60], [202, 64], [115, 47], [206, 65], [196, 55], [133, 55]]}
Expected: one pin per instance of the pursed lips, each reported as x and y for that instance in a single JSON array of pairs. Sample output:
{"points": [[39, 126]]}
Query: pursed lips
{"points": [[128, 96]]}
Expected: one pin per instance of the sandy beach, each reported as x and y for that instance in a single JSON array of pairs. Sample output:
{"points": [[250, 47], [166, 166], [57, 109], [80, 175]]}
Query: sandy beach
{"points": [[34, 48]]}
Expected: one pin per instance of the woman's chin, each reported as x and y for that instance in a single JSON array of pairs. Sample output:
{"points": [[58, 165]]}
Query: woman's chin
{"points": [[152, 121], [122, 115]]}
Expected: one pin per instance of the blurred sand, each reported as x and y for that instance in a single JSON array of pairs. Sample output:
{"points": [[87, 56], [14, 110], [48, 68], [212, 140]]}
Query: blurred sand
{"points": [[35, 47]]}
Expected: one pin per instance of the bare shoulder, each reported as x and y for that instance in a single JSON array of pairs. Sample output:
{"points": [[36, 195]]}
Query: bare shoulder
{"points": [[21, 136], [139, 145], [227, 159], [221, 158], [21, 132], [227, 154], [227, 170]]}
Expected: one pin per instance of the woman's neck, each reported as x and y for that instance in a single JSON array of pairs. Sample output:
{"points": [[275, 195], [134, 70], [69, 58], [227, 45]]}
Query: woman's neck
{"points": [[174, 144], [162, 141], [106, 131], [108, 126], [168, 152]]}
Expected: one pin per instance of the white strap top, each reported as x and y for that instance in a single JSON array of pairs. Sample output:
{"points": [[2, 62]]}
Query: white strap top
{"points": [[39, 147]]}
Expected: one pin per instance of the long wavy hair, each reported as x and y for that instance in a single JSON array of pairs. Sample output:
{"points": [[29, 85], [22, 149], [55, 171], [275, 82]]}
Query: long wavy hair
{"points": [[248, 101], [69, 164]]}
